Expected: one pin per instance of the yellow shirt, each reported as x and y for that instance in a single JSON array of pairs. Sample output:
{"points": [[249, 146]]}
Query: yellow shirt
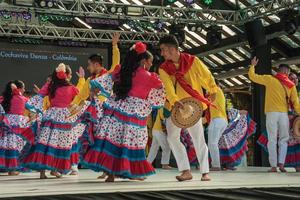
{"points": [[198, 77], [275, 97], [85, 92], [157, 126], [220, 103], [46, 100]]}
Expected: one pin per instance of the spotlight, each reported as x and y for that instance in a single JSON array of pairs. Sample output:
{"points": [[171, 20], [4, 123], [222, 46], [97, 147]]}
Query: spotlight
{"points": [[178, 31], [119, 10], [26, 16], [113, 9], [43, 4], [214, 35], [194, 27], [190, 2], [50, 4], [289, 21]]}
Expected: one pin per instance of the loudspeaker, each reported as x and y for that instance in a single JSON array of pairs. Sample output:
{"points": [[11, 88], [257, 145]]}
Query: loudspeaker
{"points": [[255, 32]]}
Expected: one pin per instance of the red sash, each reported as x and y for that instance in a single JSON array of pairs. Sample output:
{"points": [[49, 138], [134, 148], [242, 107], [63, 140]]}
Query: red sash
{"points": [[284, 79], [186, 62], [102, 72]]}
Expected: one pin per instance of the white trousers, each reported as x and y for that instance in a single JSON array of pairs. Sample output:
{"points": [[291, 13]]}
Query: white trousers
{"points": [[277, 127], [179, 150], [216, 128], [159, 139]]}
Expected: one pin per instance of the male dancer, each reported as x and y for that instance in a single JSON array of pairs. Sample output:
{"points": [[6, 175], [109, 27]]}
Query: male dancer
{"points": [[280, 92], [184, 76], [96, 68], [216, 127]]}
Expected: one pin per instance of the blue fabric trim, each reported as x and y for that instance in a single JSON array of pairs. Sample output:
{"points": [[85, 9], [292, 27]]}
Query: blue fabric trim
{"points": [[9, 153], [118, 152], [57, 153], [95, 84], [234, 149]]}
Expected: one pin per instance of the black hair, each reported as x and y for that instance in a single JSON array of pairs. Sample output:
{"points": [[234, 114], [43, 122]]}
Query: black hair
{"points": [[130, 64], [57, 83], [8, 93], [169, 40], [96, 58], [284, 66]]}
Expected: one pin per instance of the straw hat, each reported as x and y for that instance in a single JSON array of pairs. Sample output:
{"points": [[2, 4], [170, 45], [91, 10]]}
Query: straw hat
{"points": [[296, 128], [189, 114]]}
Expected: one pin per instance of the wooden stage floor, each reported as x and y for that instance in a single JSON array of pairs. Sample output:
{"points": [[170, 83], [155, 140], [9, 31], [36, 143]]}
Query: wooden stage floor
{"points": [[29, 184]]}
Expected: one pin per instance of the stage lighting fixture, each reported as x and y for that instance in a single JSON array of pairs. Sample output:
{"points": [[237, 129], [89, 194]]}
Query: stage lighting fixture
{"points": [[178, 31], [113, 9], [208, 2], [289, 22], [134, 11], [194, 27], [214, 35], [190, 2], [42, 3], [120, 10], [50, 4]]}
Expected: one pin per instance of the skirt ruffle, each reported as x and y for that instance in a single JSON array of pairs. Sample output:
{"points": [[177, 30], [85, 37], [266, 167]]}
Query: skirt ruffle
{"points": [[16, 136], [293, 151], [57, 145], [116, 160], [120, 140]]}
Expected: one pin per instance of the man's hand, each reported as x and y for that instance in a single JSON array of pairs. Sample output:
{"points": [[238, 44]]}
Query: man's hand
{"points": [[180, 104], [254, 61], [80, 72], [115, 39]]}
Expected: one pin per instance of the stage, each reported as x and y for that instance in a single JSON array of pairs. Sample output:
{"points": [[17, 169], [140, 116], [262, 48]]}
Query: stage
{"points": [[245, 183]]}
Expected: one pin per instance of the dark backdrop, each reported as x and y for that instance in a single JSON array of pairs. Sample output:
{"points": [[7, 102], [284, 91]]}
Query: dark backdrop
{"points": [[33, 63]]}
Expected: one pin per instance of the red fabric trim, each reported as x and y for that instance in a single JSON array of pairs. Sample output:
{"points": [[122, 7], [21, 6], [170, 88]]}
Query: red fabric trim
{"points": [[117, 164], [9, 162]]}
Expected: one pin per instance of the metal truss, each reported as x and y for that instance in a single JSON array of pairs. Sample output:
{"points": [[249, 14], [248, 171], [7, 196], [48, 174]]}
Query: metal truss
{"points": [[266, 8], [63, 33], [99, 9]]}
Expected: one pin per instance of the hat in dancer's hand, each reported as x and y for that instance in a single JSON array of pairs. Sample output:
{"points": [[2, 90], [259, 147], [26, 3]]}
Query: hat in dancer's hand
{"points": [[186, 113]]}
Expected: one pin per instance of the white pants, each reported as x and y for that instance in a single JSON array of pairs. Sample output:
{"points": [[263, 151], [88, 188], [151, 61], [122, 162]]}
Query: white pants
{"points": [[159, 139], [179, 150], [216, 128], [277, 127]]}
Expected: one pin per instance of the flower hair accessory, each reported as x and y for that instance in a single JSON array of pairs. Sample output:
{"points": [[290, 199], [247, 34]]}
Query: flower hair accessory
{"points": [[61, 71], [139, 47]]}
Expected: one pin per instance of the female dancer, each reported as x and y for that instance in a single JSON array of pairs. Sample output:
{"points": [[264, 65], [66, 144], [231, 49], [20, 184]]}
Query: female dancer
{"points": [[121, 136], [55, 149], [16, 129]]}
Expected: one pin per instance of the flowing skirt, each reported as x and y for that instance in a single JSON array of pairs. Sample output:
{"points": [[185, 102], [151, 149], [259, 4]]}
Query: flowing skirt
{"points": [[293, 152], [57, 145], [16, 136], [120, 139]]}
